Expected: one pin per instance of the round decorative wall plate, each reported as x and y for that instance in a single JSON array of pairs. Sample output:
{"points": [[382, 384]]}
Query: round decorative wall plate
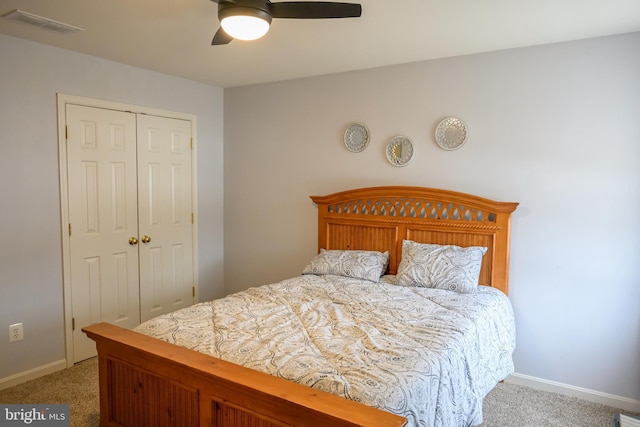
{"points": [[356, 137], [451, 133], [399, 151]]}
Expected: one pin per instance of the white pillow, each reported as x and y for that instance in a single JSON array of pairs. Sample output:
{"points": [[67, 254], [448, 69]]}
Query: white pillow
{"points": [[444, 267], [368, 265]]}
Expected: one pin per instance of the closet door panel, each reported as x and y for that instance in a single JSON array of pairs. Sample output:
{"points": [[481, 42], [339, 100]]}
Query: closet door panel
{"points": [[103, 216], [164, 204]]}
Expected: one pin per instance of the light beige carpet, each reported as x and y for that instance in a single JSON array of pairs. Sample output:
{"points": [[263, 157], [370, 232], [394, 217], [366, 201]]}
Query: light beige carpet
{"points": [[508, 405], [77, 386]]}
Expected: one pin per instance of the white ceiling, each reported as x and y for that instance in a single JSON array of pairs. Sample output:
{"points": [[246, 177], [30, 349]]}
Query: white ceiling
{"points": [[174, 36]]}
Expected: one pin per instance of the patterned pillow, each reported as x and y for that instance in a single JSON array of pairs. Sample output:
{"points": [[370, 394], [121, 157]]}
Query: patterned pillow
{"points": [[368, 265], [444, 267]]}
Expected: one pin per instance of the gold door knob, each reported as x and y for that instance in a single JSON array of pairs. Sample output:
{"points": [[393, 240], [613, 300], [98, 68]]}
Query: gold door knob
{"points": [[133, 241], [146, 239]]}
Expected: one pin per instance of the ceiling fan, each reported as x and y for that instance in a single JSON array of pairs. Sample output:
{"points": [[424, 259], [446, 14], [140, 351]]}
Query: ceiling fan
{"points": [[250, 19]]}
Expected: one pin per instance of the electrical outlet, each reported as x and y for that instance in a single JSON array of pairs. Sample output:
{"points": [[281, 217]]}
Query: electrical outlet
{"points": [[15, 332]]}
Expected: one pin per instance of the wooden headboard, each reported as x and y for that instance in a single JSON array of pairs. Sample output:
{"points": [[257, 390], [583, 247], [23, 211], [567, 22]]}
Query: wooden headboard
{"points": [[380, 218]]}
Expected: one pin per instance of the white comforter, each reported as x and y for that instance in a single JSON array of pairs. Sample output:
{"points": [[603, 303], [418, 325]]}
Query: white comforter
{"points": [[426, 354]]}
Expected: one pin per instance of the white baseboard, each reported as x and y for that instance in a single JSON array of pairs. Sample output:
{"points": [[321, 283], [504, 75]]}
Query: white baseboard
{"points": [[32, 374], [620, 402]]}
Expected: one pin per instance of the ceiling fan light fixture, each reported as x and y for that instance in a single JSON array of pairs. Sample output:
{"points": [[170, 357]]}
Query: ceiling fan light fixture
{"points": [[244, 23]]}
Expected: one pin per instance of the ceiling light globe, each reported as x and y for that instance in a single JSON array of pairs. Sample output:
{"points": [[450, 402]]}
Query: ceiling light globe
{"points": [[244, 27]]}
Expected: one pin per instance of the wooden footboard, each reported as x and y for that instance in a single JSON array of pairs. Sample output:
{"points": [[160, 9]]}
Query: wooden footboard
{"points": [[148, 382]]}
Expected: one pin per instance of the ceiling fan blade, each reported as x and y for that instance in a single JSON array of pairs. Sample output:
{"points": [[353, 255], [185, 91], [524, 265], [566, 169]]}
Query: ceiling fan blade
{"points": [[221, 38], [315, 10]]}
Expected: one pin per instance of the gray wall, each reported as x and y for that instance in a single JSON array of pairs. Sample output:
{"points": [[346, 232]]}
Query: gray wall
{"points": [[553, 127], [30, 254]]}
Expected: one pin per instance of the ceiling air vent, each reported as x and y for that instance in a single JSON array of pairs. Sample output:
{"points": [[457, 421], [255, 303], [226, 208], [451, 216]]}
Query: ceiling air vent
{"points": [[40, 21]]}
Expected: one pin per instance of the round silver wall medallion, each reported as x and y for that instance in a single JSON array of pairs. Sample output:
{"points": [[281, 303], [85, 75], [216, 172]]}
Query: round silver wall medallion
{"points": [[399, 151], [451, 133], [356, 137]]}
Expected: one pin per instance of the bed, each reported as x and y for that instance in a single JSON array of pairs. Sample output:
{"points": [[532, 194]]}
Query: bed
{"points": [[278, 377]]}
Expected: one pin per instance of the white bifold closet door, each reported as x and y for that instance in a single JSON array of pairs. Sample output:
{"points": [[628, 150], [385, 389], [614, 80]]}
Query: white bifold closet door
{"points": [[130, 243], [165, 220]]}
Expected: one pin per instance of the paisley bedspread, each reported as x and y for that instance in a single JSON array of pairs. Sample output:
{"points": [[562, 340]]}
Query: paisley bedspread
{"points": [[428, 355]]}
